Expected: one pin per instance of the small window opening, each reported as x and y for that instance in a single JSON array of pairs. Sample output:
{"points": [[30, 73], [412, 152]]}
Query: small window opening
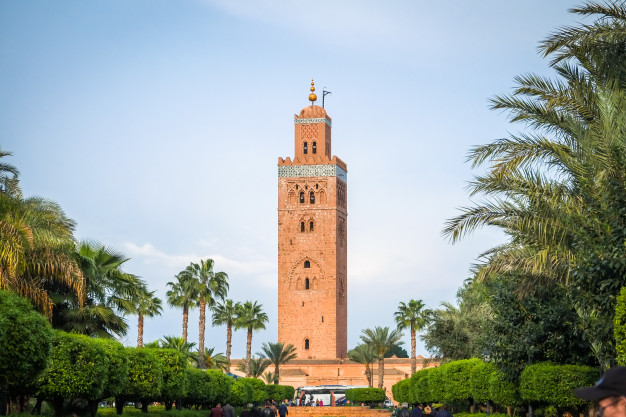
{"points": [[306, 284], [296, 186], [314, 147], [306, 344], [307, 264], [312, 197], [322, 319], [306, 148], [303, 304], [317, 186], [310, 226], [301, 197], [301, 227]]}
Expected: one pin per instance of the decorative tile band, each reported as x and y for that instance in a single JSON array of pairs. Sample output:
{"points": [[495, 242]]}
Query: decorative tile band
{"points": [[307, 121], [291, 171]]}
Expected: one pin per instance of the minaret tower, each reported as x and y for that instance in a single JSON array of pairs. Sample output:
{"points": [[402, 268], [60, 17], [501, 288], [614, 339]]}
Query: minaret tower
{"points": [[312, 247]]}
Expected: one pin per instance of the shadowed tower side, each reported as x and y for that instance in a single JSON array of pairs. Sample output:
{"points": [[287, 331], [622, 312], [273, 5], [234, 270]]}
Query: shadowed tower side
{"points": [[312, 246]]}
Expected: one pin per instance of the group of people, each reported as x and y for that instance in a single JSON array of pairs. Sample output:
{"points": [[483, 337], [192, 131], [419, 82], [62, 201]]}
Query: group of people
{"points": [[269, 409], [422, 410]]}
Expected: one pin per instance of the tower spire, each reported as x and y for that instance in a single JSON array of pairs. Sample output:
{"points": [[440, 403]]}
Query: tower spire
{"points": [[312, 96]]}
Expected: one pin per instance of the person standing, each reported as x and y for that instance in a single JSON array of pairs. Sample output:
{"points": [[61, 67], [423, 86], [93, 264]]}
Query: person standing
{"points": [[217, 411], [246, 411], [418, 411], [443, 412], [404, 411], [609, 393], [229, 411], [283, 410]]}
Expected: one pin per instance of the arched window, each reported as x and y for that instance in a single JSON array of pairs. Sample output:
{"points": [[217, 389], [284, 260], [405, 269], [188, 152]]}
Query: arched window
{"points": [[312, 197], [306, 344], [310, 226], [307, 264], [301, 226], [305, 148], [307, 284], [301, 197], [314, 147]]}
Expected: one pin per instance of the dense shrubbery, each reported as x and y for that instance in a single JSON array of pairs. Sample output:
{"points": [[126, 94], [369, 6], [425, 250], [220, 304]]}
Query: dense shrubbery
{"points": [[365, 395], [544, 384]]}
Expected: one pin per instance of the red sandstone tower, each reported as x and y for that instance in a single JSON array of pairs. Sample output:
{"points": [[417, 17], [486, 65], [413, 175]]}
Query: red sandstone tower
{"points": [[312, 247]]}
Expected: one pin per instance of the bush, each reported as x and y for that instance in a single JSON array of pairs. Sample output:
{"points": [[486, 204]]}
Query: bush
{"points": [[479, 381], [173, 366], [199, 388], [279, 392], [457, 379], [26, 340], [419, 389], [77, 369], [436, 384], [401, 391], [145, 376], [117, 367], [220, 386], [365, 395], [242, 392], [554, 384], [503, 392]]}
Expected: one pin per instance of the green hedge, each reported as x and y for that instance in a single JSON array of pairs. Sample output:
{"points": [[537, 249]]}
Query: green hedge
{"points": [[173, 369], [503, 392], [401, 391], [220, 386], [365, 395], [242, 392], [279, 392], [480, 381], [554, 384], [457, 379]]}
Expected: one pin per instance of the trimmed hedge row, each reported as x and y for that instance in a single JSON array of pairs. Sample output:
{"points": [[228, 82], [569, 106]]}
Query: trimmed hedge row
{"points": [[91, 370], [473, 379], [365, 395]]}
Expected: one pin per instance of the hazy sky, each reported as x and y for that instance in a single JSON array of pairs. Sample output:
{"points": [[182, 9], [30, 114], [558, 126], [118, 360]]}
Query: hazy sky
{"points": [[157, 125]]}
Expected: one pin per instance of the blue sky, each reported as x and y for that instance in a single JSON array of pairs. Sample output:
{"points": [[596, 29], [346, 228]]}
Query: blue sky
{"points": [[157, 126]]}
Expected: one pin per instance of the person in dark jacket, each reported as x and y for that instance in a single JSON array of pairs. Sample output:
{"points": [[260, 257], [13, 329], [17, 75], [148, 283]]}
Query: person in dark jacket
{"points": [[217, 411], [246, 411], [418, 411], [404, 411], [443, 412], [229, 411]]}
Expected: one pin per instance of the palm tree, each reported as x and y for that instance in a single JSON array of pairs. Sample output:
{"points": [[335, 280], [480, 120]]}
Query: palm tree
{"points": [[184, 294], [278, 354], [145, 304], [9, 174], [364, 354], [257, 367], [212, 360], [211, 285], [225, 313], [381, 340], [180, 345], [414, 317], [270, 378], [37, 249], [250, 316]]}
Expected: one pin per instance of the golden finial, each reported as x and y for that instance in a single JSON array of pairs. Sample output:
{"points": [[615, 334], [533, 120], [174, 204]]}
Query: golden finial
{"points": [[312, 96]]}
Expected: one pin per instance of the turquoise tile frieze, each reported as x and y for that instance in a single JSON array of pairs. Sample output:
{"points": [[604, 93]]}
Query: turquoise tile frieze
{"points": [[308, 121], [294, 171]]}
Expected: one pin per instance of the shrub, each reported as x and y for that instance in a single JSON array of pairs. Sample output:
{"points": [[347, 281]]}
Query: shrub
{"points": [[145, 376], [554, 384], [242, 392], [173, 366], [419, 389], [479, 381], [457, 379], [503, 392], [220, 386], [279, 392], [365, 395], [199, 388], [77, 369], [436, 384], [26, 340], [401, 391]]}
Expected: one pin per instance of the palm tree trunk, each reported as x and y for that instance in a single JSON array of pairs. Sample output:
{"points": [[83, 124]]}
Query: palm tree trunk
{"points": [[381, 372], [276, 374], [185, 322], [413, 356], [248, 351], [368, 375], [201, 338], [140, 331], [229, 338]]}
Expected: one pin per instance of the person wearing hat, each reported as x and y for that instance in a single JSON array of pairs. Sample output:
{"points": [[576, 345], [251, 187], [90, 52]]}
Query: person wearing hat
{"points": [[609, 393]]}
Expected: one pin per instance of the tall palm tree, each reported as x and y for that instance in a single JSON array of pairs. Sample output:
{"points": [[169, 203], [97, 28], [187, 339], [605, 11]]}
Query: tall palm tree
{"points": [[9, 183], [145, 304], [250, 316], [415, 317], [278, 354], [211, 360], [225, 313], [364, 354], [381, 340], [211, 286], [257, 367], [184, 294]]}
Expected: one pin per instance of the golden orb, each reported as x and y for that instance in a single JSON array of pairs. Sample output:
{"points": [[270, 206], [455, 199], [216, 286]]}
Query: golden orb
{"points": [[312, 97]]}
